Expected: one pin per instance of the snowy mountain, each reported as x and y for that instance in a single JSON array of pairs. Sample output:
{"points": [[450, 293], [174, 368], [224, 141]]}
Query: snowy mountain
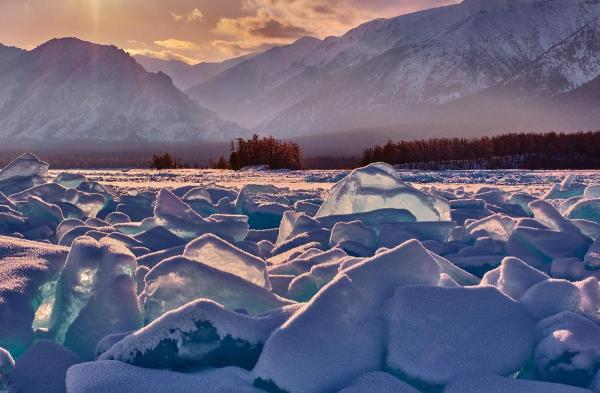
{"points": [[67, 89], [380, 73], [186, 75], [234, 91]]}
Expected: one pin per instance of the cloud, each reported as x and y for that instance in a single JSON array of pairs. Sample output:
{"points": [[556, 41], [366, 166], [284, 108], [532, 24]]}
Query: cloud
{"points": [[276, 22], [216, 29], [161, 54], [172, 43], [238, 48], [194, 15]]}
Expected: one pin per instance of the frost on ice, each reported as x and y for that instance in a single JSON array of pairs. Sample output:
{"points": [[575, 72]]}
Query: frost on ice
{"points": [[374, 286]]}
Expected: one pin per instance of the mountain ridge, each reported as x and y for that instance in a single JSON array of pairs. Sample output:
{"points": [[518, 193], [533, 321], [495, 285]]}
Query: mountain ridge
{"points": [[462, 50], [71, 89], [186, 75]]}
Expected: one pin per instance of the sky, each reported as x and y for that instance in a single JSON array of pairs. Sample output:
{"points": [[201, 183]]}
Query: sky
{"points": [[191, 30]]}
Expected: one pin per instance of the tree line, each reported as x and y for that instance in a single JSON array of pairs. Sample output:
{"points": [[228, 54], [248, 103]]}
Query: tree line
{"points": [[551, 150], [257, 151], [268, 151]]}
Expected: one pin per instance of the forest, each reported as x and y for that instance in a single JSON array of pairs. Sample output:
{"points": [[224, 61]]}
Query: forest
{"points": [[551, 150], [268, 151]]}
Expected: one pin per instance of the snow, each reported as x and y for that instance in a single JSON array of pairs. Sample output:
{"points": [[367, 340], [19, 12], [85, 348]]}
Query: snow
{"points": [[114, 376], [513, 277], [412, 280], [493, 335], [43, 368], [496, 384], [199, 333], [551, 297], [568, 350], [25, 267], [378, 382]]}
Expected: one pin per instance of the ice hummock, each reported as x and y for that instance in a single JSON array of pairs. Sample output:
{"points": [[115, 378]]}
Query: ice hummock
{"points": [[494, 335], [343, 320], [175, 215], [112, 309], [568, 349], [22, 173], [90, 265], [26, 268], [378, 186], [213, 251], [179, 280], [7, 364], [200, 333]]}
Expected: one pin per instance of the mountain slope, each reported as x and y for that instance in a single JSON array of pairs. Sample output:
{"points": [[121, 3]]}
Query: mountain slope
{"points": [[67, 89], [7, 55], [235, 91], [380, 73], [564, 67], [478, 53], [185, 75]]}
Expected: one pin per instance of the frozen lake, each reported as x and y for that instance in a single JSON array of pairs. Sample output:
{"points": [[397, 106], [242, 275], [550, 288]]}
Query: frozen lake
{"points": [[255, 281], [536, 182]]}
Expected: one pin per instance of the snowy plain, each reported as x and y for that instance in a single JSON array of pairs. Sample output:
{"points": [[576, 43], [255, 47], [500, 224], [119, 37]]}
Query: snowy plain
{"points": [[373, 280]]}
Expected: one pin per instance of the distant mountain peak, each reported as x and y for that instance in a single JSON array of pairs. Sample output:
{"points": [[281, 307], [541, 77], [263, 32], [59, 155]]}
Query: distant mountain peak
{"points": [[70, 89], [308, 40]]}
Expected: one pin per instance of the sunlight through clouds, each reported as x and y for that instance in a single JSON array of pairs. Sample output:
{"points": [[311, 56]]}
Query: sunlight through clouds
{"points": [[191, 30]]}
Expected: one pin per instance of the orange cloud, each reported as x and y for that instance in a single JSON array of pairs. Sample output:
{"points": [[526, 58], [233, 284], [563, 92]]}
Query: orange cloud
{"points": [[161, 54], [172, 43], [194, 15], [207, 30]]}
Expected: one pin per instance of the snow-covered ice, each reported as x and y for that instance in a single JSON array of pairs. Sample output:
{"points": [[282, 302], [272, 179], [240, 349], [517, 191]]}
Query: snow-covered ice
{"points": [[281, 281], [492, 335]]}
